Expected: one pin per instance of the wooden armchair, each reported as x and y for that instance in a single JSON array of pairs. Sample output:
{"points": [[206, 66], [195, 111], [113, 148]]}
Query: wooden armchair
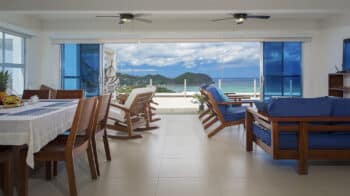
{"points": [[227, 113], [131, 116]]}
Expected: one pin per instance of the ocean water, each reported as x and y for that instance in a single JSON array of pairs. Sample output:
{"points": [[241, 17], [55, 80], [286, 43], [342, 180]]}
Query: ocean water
{"points": [[228, 85]]}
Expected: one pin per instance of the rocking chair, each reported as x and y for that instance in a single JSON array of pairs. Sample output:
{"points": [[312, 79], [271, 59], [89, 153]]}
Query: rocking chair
{"points": [[133, 115]]}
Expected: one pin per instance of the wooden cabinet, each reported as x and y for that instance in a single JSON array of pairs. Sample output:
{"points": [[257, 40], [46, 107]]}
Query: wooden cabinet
{"points": [[339, 84]]}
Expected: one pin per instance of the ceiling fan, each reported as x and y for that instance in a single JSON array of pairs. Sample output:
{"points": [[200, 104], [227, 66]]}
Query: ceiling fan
{"points": [[128, 17], [239, 18]]}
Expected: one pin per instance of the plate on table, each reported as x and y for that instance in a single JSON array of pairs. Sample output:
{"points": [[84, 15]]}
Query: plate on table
{"points": [[12, 105]]}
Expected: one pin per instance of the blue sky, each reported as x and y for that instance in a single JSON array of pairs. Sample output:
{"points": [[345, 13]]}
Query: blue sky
{"points": [[218, 59]]}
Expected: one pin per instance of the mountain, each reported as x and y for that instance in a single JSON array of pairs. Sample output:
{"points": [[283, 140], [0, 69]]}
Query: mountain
{"points": [[192, 78]]}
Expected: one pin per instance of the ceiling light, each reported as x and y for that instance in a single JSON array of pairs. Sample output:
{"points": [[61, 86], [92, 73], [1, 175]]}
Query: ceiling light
{"points": [[239, 20]]}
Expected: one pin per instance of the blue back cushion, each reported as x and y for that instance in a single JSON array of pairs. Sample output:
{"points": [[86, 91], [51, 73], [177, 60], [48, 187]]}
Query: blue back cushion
{"points": [[262, 106], [217, 97], [341, 107], [300, 107]]}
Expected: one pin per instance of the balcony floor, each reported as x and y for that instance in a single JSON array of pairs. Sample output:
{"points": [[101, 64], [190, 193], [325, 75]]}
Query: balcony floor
{"points": [[179, 160]]}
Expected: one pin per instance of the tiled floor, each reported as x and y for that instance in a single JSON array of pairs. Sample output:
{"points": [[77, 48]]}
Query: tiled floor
{"points": [[179, 160]]}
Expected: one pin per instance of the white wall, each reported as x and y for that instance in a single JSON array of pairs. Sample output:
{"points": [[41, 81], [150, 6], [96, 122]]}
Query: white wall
{"points": [[327, 53]]}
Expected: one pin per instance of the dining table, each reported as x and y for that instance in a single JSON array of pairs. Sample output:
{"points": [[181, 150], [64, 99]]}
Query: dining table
{"points": [[30, 127]]}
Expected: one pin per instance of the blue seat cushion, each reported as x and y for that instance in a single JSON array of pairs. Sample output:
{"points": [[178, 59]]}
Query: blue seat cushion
{"points": [[234, 114], [317, 140], [300, 107]]}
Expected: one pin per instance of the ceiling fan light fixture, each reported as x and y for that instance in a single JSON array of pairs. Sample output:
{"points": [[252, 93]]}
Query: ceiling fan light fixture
{"points": [[239, 20], [125, 20]]}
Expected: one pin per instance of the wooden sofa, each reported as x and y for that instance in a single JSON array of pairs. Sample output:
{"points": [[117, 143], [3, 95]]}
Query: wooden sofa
{"points": [[301, 129]]}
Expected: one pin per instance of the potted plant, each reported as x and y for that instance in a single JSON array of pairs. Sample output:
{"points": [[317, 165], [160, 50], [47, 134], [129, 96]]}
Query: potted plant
{"points": [[199, 99], [4, 78]]}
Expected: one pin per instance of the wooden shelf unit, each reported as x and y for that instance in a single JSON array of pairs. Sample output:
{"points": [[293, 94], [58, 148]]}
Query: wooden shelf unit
{"points": [[337, 84]]}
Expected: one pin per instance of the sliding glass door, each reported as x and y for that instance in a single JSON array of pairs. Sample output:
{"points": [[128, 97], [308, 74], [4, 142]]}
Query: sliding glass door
{"points": [[81, 67], [282, 69]]}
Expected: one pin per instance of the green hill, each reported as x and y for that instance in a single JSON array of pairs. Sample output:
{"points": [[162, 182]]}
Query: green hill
{"points": [[192, 78]]}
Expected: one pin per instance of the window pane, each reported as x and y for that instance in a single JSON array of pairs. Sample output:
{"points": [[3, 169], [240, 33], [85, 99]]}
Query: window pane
{"points": [[71, 83], [90, 68], [292, 86], [70, 64], [16, 81], [1, 40], [273, 58], [346, 55], [292, 58], [273, 86], [13, 49]]}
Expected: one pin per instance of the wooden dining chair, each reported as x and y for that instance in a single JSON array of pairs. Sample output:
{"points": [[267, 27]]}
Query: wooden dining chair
{"points": [[42, 94], [6, 159], [69, 94], [64, 148], [100, 127]]}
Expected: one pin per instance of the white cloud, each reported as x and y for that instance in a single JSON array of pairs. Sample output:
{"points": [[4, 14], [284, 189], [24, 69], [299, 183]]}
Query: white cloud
{"points": [[187, 54], [138, 70]]}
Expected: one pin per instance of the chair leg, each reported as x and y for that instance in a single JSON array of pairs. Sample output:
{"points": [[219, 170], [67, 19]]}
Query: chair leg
{"points": [[91, 162], [106, 145], [23, 171], [71, 176], [55, 168], [203, 113], [94, 149], [215, 131], [48, 166], [8, 178], [208, 118], [210, 123]]}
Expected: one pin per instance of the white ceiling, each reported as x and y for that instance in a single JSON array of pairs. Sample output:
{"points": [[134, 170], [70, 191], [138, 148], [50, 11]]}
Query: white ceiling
{"points": [[174, 5], [180, 16]]}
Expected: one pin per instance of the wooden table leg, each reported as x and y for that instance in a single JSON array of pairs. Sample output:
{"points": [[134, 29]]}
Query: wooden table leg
{"points": [[23, 171]]}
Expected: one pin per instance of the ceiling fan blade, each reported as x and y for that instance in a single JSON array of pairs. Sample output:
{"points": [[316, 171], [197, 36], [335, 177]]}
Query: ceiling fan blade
{"points": [[143, 20], [142, 15], [107, 16], [221, 19], [258, 17]]}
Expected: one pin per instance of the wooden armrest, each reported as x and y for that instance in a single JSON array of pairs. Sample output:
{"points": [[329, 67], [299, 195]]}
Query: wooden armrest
{"points": [[154, 102], [261, 115], [230, 103], [119, 106]]}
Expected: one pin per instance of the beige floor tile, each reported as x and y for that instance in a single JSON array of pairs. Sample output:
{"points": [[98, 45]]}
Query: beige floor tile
{"points": [[178, 159]]}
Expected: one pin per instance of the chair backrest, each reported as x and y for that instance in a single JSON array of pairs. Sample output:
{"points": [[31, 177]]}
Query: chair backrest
{"points": [[83, 121], [52, 90], [102, 111], [140, 103], [136, 92], [214, 106], [42, 94], [69, 94]]}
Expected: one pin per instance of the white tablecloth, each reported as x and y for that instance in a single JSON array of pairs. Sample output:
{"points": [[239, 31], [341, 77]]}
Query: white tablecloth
{"points": [[35, 125]]}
